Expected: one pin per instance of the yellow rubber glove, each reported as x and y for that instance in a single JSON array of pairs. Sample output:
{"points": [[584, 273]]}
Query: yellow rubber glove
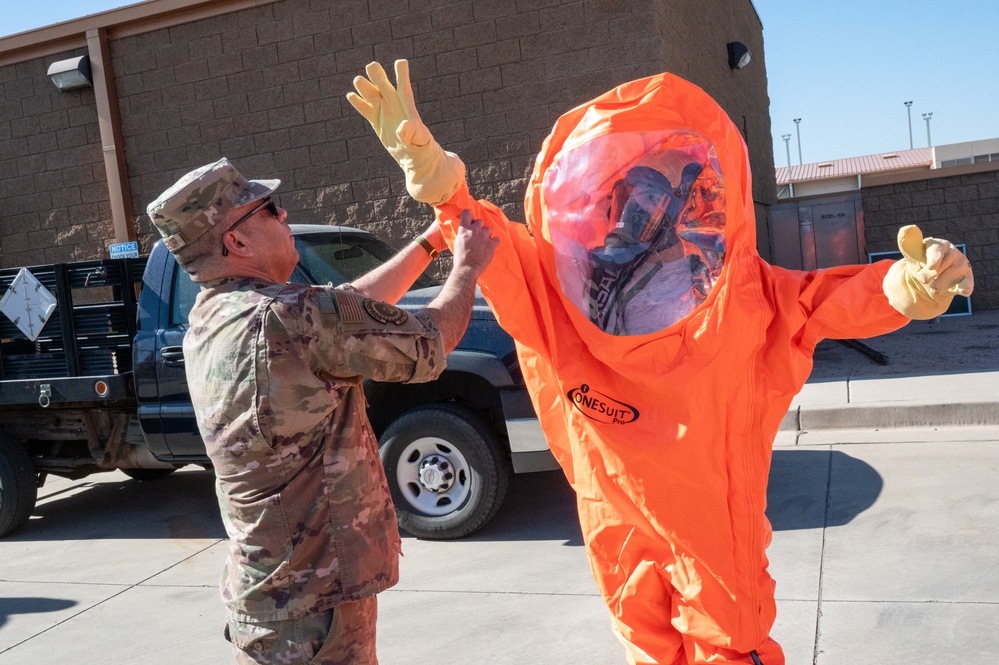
{"points": [[432, 174], [922, 284]]}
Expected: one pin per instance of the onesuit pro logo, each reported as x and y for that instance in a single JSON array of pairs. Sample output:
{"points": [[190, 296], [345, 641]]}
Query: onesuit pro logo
{"points": [[600, 407]]}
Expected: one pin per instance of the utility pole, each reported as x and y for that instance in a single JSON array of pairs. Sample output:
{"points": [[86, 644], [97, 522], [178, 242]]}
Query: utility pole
{"points": [[908, 110], [797, 127], [926, 117], [787, 148]]}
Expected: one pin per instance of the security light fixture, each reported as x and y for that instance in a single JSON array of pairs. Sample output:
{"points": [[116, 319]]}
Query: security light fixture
{"points": [[71, 74], [738, 55]]}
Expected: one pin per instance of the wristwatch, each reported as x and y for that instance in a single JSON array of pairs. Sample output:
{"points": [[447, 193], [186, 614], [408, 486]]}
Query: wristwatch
{"points": [[425, 244]]}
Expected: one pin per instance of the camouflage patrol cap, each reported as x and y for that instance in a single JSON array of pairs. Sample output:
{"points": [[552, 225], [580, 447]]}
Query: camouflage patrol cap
{"points": [[200, 199]]}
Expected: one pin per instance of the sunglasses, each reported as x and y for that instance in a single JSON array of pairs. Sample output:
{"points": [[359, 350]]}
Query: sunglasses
{"points": [[264, 203]]}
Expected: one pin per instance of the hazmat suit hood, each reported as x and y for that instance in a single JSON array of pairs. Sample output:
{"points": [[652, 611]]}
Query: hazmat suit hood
{"points": [[640, 204]]}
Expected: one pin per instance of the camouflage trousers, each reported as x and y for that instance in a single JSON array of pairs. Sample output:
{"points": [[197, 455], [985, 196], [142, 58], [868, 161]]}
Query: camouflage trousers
{"points": [[343, 636]]}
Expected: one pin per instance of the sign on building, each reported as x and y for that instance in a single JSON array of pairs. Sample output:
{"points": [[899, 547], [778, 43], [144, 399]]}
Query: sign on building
{"points": [[124, 250]]}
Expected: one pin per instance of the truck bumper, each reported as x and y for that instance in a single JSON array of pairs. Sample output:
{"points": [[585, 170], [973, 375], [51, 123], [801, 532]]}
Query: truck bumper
{"points": [[529, 450]]}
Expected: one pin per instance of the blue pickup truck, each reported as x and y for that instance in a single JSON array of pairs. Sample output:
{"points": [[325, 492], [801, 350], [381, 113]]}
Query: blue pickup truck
{"points": [[92, 379]]}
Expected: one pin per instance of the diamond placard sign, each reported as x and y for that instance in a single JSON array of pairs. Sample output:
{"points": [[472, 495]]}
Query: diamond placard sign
{"points": [[28, 304]]}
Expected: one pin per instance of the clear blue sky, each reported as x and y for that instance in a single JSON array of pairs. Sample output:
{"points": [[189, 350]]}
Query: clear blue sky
{"points": [[845, 67]]}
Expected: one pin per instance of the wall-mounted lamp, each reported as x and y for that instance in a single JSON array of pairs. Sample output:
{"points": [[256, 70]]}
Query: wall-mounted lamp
{"points": [[738, 55], [71, 74]]}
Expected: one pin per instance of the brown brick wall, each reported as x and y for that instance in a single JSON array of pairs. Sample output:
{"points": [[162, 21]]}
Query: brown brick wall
{"points": [[961, 208], [53, 191], [265, 87]]}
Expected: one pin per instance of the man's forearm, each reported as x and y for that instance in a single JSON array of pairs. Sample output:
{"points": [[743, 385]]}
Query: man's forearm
{"points": [[390, 281], [452, 308]]}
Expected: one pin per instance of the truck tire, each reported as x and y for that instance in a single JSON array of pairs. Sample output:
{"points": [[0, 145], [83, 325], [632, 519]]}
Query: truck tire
{"points": [[18, 486], [447, 471]]}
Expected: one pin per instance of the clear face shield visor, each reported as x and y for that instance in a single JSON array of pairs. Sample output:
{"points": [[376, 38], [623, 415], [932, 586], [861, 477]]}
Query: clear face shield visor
{"points": [[637, 223]]}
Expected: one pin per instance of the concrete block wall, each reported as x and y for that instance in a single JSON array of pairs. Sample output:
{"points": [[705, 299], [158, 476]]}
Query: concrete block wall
{"points": [[694, 37], [265, 87], [53, 188], [963, 208]]}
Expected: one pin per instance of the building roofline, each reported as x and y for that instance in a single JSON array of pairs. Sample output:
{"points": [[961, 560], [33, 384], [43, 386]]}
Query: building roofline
{"points": [[878, 179], [918, 159], [121, 22]]}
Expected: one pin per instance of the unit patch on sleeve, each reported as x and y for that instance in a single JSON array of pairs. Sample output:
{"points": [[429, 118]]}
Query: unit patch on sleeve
{"points": [[385, 313]]}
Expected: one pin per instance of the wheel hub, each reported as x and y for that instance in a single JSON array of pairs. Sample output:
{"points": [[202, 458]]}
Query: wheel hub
{"points": [[436, 473]]}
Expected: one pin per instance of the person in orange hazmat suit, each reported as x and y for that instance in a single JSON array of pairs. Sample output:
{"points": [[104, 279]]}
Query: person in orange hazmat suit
{"points": [[660, 350]]}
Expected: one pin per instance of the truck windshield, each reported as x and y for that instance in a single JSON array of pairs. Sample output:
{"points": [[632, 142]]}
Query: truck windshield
{"points": [[335, 258], [324, 258]]}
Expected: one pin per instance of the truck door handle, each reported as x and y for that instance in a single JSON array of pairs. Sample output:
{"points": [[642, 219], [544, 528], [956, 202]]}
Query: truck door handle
{"points": [[173, 356]]}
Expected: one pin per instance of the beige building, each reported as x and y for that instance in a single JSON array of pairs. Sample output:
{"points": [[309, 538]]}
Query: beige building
{"points": [[179, 83], [839, 212], [846, 175]]}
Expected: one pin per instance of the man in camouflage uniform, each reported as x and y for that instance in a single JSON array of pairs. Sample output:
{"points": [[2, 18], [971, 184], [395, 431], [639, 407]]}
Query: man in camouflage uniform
{"points": [[275, 373]]}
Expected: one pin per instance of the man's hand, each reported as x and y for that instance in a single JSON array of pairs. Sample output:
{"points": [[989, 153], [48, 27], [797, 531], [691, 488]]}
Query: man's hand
{"points": [[452, 308], [474, 245], [432, 175], [922, 284]]}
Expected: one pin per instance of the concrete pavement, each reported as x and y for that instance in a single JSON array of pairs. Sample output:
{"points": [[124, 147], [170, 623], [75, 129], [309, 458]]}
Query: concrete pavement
{"points": [[886, 542], [883, 553], [870, 406], [940, 374]]}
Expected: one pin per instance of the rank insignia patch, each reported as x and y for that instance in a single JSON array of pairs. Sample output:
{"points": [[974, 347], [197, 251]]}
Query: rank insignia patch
{"points": [[385, 313]]}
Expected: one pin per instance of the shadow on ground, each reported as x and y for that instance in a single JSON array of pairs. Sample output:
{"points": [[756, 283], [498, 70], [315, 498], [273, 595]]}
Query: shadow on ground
{"points": [[12, 606], [541, 506], [799, 495], [182, 505], [538, 506]]}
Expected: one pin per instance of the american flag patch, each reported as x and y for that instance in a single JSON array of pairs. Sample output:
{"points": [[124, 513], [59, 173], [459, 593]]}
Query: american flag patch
{"points": [[350, 309]]}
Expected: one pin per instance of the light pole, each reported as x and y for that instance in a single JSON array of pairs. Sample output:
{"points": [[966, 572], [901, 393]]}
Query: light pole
{"points": [[926, 117], [787, 147], [797, 127], [908, 110]]}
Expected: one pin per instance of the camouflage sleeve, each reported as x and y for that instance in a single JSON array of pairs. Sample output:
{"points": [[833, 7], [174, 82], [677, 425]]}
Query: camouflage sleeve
{"points": [[357, 336]]}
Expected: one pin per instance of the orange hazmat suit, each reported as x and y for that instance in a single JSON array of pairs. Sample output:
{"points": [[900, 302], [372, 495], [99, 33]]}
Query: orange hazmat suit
{"points": [[661, 353]]}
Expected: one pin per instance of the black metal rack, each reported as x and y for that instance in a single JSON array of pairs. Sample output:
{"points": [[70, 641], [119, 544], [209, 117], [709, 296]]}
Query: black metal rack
{"points": [[91, 330]]}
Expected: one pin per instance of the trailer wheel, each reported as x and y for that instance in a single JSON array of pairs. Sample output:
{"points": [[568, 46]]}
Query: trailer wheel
{"points": [[18, 486], [446, 470]]}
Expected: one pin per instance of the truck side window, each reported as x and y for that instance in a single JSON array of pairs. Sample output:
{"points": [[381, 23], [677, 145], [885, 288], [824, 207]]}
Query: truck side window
{"points": [[184, 292]]}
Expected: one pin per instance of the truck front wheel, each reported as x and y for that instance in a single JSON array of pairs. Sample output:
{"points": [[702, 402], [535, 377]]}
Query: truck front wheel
{"points": [[18, 486], [446, 469]]}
